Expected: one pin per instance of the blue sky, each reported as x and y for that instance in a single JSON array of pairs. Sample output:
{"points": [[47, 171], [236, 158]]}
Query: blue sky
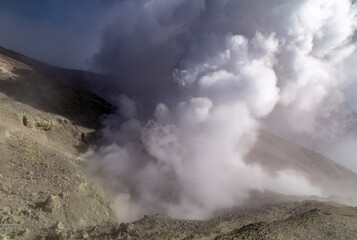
{"points": [[61, 32], [61, 12]]}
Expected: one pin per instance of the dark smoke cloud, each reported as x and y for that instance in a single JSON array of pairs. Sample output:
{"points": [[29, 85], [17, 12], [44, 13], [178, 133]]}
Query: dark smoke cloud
{"points": [[141, 47]]}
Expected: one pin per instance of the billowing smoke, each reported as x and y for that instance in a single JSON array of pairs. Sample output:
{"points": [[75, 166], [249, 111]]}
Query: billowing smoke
{"points": [[205, 76]]}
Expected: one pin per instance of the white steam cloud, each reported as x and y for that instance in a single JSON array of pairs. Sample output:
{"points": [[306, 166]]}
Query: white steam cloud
{"points": [[218, 70]]}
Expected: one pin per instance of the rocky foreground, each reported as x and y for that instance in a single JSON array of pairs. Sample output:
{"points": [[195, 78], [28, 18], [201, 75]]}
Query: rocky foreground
{"points": [[47, 191]]}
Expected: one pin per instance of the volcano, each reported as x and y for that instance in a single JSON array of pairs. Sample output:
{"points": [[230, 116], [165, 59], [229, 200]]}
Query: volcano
{"points": [[49, 116]]}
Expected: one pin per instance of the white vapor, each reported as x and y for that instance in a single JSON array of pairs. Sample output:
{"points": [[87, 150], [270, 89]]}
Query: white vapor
{"points": [[225, 67]]}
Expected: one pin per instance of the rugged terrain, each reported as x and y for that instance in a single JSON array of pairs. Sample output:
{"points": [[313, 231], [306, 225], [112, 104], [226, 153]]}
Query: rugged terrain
{"points": [[47, 119]]}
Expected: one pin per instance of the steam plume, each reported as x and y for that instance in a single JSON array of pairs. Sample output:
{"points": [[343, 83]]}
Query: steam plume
{"points": [[211, 73]]}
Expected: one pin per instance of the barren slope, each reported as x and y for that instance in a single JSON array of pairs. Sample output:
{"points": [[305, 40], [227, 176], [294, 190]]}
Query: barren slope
{"points": [[44, 124]]}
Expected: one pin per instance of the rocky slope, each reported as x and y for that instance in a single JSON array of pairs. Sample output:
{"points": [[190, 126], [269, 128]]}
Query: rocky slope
{"points": [[43, 129], [47, 119]]}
